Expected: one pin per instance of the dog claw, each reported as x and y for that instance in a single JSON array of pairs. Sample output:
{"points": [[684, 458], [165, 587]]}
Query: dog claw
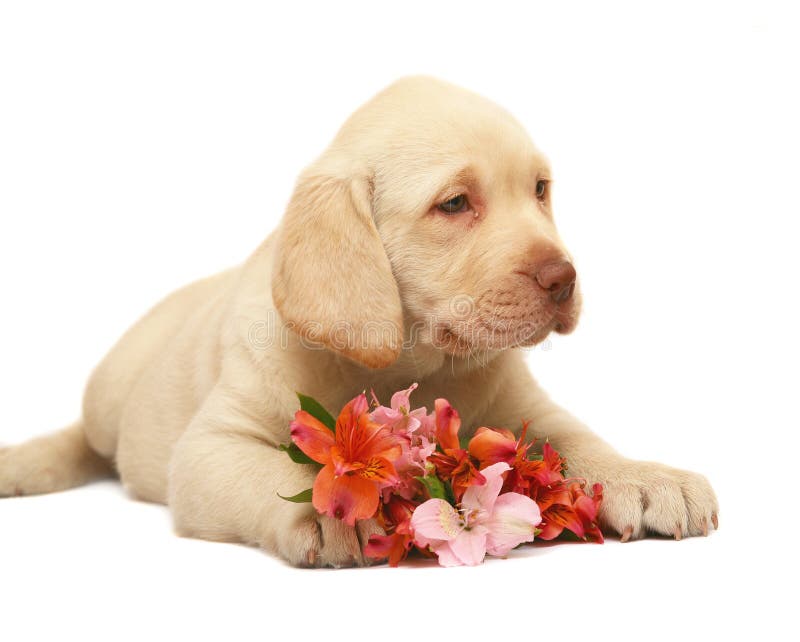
{"points": [[705, 527], [715, 521], [311, 556], [626, 534], [678, 534]]}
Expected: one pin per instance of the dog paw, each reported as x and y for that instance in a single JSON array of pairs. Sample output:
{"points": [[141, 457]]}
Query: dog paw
{"points": [[642, 498], [320, 541]]}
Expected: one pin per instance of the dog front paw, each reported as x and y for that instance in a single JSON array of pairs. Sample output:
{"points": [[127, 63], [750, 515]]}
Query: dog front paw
{"points": [[642, 498], [318, 541]]}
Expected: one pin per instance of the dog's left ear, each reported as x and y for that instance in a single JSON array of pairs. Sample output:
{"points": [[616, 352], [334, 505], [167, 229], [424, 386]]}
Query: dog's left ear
{"points": [[332, 280]]}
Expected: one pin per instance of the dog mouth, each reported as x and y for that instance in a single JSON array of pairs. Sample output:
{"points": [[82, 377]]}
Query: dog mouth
{"points": [[503, 325], [464, 339]]}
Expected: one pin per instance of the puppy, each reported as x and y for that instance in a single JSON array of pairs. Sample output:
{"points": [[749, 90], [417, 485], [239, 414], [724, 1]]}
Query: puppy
{"points": [[419, 247]]}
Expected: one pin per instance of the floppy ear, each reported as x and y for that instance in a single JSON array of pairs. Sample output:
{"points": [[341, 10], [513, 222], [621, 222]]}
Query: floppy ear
{"points": [[332, 281]]}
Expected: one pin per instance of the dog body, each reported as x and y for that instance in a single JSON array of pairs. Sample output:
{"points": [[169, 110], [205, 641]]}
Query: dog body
{"points": [[419, 247]]}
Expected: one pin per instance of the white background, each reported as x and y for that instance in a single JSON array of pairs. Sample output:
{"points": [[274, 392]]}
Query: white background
{"points": [[143, 145]]}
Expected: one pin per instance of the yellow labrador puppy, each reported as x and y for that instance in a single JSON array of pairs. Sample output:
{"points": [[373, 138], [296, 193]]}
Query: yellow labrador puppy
{"points": [[419, 247]]}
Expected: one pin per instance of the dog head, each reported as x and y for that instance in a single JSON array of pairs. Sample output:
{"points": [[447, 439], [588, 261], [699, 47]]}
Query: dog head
{"points": [[428, 220]]}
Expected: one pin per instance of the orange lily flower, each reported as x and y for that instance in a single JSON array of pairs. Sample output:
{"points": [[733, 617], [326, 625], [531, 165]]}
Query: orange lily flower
{"points": [[357, 460]]}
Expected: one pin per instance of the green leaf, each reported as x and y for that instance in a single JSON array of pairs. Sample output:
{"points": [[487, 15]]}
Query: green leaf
{"points": [[449, 495], [315, 409], [301, 497], [295, 454], [434, 485]]}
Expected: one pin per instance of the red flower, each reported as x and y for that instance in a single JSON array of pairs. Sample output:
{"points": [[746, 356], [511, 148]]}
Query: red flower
{"points": [[492, 445], [587, 509], [567, 505], [453, 463], [395, 518]]}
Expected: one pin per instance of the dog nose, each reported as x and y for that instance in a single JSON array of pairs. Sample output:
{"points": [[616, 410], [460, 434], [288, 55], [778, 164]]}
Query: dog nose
{"points": [[559, 279]]}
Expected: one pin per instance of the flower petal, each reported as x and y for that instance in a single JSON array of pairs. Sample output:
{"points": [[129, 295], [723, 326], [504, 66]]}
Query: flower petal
{"points": [[445, 554], [491, 445], [550, 530], [552, 459], [341, 465], [379, 470], [557, 518], [312, 436], [585, 506], [482, 497], [447, 424], [513, 521], [363, 438], [398, 511], [347, 497], [352, 410], [469, 546], [538, 471], [456, 466], [557, 493], [394, 547], [400, 399], [427, 424], [386, 416], [435, 519]]}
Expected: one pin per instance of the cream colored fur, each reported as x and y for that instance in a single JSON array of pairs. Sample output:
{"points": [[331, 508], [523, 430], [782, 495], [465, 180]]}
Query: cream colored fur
{"points": [[191, 403]]}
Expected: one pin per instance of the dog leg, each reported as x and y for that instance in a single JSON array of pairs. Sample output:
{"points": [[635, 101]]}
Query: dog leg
{"points": [[224, 481], [639, 497]]}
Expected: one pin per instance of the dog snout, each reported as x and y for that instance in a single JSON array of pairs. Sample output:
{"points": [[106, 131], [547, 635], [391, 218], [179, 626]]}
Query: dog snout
{"points": [[558, 278]]}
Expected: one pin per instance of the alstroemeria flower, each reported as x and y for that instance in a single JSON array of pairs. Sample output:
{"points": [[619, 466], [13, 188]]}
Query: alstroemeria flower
{"points": [[415, 444], [357, 460], [485, 522], [568, 506], [563, 505], [491, 445], [454, 463], [395, 518], [399, 417], [448, 422], [587, 509]]}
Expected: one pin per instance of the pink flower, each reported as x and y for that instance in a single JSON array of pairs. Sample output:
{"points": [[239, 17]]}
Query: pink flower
{"points": [[400, 418], [416, 446], [486, 522]]}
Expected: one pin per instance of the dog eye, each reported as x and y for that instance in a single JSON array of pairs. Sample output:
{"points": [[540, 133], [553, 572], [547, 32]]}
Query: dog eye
{"points": [[541, 189], [454, 205]]}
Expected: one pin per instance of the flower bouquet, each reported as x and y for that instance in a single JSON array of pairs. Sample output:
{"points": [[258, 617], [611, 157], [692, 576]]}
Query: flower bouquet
{"points": [[458, 501]]}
